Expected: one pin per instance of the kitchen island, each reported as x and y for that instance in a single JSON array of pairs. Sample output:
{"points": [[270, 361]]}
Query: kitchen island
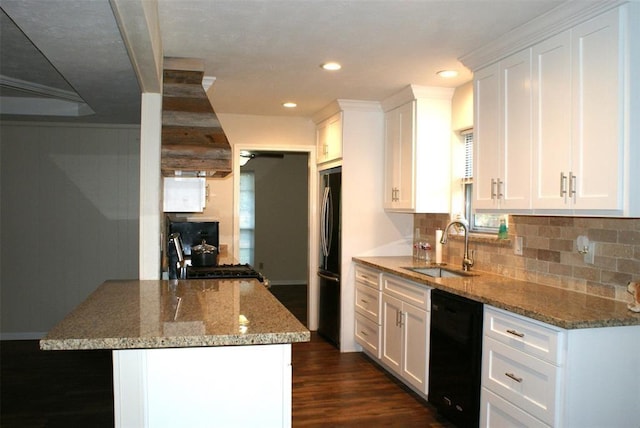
{"points": [[189, 352]]}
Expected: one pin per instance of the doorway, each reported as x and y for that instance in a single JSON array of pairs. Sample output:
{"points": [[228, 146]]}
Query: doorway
{"points": [[273, 222]]}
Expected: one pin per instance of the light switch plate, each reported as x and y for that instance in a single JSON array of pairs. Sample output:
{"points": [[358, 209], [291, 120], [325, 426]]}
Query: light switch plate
{"points": [[517, 246]]}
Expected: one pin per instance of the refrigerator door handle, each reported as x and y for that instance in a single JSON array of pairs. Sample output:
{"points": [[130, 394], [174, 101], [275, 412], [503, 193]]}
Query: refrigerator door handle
{"points": [[324, 222], [328, 277]]}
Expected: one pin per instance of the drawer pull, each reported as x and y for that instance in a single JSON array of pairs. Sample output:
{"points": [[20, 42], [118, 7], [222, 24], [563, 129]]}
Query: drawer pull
{"points": [[364, 333], [364, 301], [514, 377], [515, 333]]}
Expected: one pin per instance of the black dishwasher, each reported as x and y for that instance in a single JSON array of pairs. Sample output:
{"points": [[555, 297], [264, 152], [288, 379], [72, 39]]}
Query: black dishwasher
{"points": [[455, 357]]}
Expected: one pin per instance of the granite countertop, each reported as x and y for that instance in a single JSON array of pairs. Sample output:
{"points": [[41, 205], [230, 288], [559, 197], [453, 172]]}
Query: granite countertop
{"points": [[556, 306], [133, 314]]}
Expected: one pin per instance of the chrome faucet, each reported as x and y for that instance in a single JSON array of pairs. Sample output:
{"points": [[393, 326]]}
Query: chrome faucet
{"points": [[467, 261]]}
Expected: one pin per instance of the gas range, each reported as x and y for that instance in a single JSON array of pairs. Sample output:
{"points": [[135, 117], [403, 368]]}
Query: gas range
{"points": [[224, 271]]}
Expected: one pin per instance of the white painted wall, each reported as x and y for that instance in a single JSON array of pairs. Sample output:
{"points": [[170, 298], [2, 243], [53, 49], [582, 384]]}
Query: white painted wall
{"points": [[367, 230]]}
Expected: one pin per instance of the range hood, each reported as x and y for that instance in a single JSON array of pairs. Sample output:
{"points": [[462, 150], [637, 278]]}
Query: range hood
{"points": [[193, 142]]}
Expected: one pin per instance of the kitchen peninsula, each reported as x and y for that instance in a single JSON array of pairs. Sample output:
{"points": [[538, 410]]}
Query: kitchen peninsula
{"points": [[189, 352]]}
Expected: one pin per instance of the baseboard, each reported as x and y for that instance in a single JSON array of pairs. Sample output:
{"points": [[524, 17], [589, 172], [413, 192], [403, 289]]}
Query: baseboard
{"points": [[22, 336], [300, 282]]}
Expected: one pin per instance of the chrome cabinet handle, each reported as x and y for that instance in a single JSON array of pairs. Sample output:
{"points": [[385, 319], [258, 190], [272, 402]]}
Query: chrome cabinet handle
{"points": [[515, 333], [500, 193], [514, 377], [572, 185], [493, 189], [563, 185]]}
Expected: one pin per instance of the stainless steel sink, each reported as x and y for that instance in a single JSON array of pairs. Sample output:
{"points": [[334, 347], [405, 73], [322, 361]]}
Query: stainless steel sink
{"points": [[439, 272]]}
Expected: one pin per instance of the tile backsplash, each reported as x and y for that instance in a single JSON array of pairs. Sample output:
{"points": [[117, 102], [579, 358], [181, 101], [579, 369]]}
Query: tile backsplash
{"points": [[550, 254]]}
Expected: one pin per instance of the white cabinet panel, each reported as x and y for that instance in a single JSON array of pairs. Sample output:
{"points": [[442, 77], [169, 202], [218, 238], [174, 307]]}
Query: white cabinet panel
{"points": [[499, 413], [533, 338], [552, 130], [416, 348], [367, 302], [502, 151], [418, 150], [329, 139], [597, 87], [391, 347], [525, 381], [368, 334]]}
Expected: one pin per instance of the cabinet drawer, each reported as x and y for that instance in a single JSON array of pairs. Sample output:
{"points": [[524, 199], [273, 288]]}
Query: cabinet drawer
{"points": [[521, 379], [496, 412], [368, 302], [368, 335], [407, 291], [531, 337], [369, 277]]}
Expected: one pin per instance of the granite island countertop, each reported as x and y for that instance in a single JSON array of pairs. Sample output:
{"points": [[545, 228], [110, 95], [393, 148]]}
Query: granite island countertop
{"points": [[562, 308], [137, 314]]}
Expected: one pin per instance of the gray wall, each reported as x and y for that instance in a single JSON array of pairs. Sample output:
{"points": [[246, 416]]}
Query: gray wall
{"points": [[69, 218], [281, 242]]}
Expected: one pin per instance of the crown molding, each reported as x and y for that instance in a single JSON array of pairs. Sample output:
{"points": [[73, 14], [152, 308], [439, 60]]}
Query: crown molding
{"points": [[38, 89], [561, 18]]}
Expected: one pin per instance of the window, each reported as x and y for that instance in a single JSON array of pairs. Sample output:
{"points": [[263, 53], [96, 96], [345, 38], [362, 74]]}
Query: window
{"points": [[246, 245], [478, 222]]}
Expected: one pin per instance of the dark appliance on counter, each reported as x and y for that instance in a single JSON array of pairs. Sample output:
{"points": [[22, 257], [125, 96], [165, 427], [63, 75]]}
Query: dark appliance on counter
{"points": [[226, 271], [455, 357], [198, 242], [329, 271]]}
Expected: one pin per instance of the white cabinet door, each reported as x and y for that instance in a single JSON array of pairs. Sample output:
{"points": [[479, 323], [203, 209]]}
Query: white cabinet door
{"points": [[486, 150], [597, 113], [514, 188], [415, 346], [399, 155], [329, 139], [391, 352], [552, 126], [502, 146]]}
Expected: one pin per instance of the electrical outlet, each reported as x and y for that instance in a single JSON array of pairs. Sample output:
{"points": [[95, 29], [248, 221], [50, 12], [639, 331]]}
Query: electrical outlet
{"points": [[517, 246]]}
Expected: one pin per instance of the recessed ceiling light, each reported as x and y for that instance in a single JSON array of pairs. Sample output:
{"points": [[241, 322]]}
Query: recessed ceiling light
{"points": [[289, 104], [447, 74], [331, 66]]}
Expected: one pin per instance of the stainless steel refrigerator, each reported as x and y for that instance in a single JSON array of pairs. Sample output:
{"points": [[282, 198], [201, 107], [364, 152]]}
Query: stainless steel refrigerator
{"points": [[329, 271]]}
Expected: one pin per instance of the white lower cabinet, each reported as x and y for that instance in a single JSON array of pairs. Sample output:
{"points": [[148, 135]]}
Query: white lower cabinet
{"points": [[392, 324], [538, 375], [498, 412], [367, 306], [405, 331]]}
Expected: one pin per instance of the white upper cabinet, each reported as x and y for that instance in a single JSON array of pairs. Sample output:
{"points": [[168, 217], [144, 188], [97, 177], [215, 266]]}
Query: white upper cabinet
{"points": [[502, 152], [329, 139], [556, 123], [578, 162], [418, 150]]}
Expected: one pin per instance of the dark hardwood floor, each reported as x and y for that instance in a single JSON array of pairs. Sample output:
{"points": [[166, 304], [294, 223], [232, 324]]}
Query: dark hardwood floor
{"points": [[330, 389]]}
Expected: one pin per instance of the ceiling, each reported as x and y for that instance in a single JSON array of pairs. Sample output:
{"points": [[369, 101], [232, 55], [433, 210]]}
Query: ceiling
{"points": [[66, 60]]}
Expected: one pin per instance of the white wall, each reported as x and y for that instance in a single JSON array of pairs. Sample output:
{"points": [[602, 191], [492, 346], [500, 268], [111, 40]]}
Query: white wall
{"points": [[366, 228], [69, 218]]}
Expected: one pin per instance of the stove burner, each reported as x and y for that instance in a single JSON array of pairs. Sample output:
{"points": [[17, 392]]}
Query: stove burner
{"points": [[226, 271]]}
